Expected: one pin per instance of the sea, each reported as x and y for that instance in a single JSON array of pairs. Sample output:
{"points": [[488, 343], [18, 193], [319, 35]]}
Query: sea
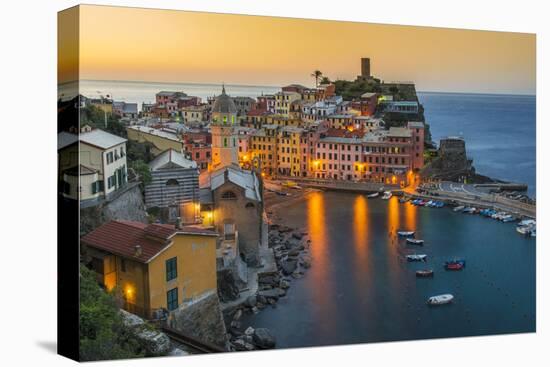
{"points": [[499, 129], [360, 287]]}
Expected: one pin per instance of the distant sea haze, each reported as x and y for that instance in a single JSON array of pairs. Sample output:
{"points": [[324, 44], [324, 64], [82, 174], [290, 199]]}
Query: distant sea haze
{"points": [[500, 130]]}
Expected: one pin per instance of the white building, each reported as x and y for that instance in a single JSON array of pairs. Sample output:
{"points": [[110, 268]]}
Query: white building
{"points": [[102, 168]]}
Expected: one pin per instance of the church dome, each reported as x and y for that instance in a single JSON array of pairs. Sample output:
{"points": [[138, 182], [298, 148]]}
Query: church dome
{"points": [[224, 104]]}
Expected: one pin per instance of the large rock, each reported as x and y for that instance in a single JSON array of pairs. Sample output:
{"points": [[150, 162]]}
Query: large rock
{"points": [[250, 301], [228, 289], [202, 320], [274, 293], [263, 339], [289, 266], [154, 342]]}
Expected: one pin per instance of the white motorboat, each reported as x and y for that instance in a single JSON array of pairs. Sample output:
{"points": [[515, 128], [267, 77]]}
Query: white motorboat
{"points": [[441, 299], [405, 233], [414, 241], [373, 195], [527, 222], [417, 257], [387, 195], [458, 208]]}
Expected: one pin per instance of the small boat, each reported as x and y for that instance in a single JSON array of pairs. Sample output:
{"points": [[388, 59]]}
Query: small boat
{"points": [[527, 230], [508, 219], [424, 273], [405, 233], [458, 208], [373, 195], [469, 210], [441, 299], [387, 195], [413, 241], [527, 222], [456, 261], [454, 266], [403, 200], [417, 257]]}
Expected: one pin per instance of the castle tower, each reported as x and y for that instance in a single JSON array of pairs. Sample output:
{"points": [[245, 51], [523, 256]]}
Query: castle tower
{"points": [[365, 67], [224, 137]]}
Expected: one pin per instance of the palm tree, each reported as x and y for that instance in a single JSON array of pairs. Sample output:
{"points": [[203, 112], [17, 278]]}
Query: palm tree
{"points": [[317, 74]]}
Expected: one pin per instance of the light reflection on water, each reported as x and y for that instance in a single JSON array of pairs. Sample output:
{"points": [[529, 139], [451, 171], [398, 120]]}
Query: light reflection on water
{"points": [[361, 289]]}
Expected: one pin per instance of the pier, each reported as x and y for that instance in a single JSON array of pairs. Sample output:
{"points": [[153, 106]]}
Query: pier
{"points": [[336, 185]]}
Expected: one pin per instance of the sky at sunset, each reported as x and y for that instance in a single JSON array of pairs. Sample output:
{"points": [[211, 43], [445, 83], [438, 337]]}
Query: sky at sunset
{"points": [[177, 46]]}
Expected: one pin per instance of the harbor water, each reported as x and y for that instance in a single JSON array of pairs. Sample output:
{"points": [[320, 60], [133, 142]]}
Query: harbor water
{"points": [[360, 287]]}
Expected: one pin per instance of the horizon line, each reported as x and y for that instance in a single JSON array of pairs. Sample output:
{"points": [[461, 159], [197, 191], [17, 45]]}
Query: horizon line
{"points": [[280, 86]]}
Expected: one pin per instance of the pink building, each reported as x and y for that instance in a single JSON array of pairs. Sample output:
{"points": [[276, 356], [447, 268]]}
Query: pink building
{"points": [[386, 156]]}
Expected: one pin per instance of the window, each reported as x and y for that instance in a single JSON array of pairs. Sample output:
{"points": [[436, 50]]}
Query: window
{"points": [[172, 299], [171, 269], [123, 265], [172, 182], [229, 195], [249, 205], [110, 158]]}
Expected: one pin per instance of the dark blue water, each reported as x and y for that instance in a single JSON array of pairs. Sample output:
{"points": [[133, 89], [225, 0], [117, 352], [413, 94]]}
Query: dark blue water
{"points": [[500, 131], [361, 289]]}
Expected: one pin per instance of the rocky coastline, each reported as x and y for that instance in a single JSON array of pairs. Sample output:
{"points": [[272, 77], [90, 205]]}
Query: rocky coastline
{"points": [[291, 248]]}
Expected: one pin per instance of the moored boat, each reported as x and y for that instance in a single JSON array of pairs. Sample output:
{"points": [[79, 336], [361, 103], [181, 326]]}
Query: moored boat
{"points": [[454, 266], [405, 233], [417, 257], [424, 273], [456, 261], [414, 241], [387, 195], [373, 195], [440, 299], [458, 208]]}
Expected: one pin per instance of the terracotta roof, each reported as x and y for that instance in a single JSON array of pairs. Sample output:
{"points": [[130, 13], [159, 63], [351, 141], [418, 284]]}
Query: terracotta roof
{"points": [[121, 238], [344, 133]]}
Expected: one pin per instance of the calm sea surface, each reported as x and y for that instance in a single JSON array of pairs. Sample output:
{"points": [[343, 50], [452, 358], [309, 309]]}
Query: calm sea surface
{"points": [[361, 289], [499, 131]]}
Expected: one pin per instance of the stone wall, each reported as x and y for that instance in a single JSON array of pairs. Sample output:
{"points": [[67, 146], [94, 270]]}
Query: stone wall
{"points": [[202, 320], [126, 206]]}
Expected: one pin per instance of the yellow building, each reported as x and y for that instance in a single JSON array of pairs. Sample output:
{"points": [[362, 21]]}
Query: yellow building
{"points": [[283, 101], [161, 140], [153, 268], [263, 144], [288, 148]]}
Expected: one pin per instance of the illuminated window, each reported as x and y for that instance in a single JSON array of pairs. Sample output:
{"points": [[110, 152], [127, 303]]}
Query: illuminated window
{"points": [[172, 299], [171, 269]]}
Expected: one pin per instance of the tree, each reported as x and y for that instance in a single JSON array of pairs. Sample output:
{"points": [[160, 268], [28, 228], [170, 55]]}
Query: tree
{"points": [[325, 80], [142, 170], [102, 332], [317, 74]]}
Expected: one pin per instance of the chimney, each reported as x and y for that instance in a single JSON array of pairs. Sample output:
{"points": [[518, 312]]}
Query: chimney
{"points": [[178, 223], [137, 251]]}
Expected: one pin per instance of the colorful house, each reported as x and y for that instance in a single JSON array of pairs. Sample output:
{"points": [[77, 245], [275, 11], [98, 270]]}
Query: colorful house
{"points": [[153, 268]]}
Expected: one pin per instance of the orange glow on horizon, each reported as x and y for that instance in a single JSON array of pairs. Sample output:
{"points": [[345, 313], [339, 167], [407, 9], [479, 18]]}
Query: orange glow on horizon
{"points": [[119, 43]]}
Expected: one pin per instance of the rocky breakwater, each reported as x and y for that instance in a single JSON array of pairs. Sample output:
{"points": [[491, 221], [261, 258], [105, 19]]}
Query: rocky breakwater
{"points": [[291, 249]]}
